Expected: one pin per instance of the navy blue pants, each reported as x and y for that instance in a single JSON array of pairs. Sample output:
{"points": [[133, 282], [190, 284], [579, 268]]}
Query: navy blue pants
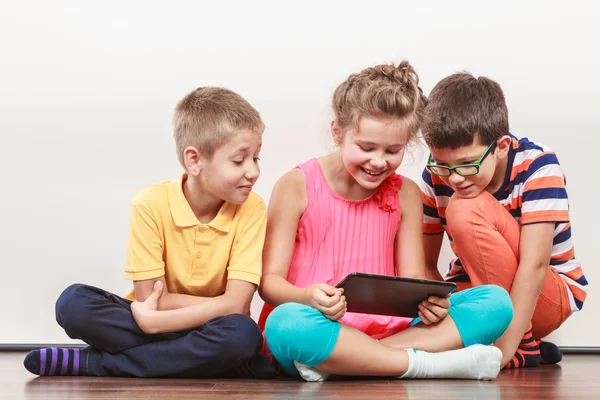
{"points": [[225, 346]]}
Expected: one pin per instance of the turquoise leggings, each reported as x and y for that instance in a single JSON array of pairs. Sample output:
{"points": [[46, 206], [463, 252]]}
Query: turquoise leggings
{"points": [[298, 332]]}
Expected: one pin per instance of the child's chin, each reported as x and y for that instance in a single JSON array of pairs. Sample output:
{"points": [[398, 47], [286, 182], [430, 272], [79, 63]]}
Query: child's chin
{"points": [[367, 185], [237, 198], [369, 182], [471, 194]]}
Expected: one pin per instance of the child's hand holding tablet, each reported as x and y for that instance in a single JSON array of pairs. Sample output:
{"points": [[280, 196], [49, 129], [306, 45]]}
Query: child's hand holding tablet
{"points": [[396, 296]]}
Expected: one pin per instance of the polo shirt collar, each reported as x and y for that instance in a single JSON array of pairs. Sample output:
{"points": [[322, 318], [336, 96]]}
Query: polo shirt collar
{"points": [[182, 213]]}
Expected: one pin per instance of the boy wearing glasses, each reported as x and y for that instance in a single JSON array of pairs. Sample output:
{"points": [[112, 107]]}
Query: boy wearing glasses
{"points": [[503, 203]]}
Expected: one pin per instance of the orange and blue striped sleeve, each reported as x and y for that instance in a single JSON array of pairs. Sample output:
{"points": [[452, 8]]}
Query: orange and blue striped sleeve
{"points": [[432, 221], [544, 196]]}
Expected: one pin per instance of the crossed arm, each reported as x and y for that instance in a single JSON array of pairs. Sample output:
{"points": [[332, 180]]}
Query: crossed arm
{"points": [[157, 311]]}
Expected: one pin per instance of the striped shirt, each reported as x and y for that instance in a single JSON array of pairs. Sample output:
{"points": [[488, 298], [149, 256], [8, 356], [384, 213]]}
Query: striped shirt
{"points": [[533, 191]]}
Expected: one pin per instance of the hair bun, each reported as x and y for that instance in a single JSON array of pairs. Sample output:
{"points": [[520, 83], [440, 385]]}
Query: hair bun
{"points": [[381, 90], [406, 73]]}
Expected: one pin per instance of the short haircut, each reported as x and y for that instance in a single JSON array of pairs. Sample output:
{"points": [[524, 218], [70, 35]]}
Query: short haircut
{"points": [[209, 116], [462, 107]]}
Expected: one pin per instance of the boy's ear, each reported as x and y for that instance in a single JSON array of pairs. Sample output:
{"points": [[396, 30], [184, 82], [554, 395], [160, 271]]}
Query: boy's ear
{"points": [[336, 132], [502, 146], [193, 160]]}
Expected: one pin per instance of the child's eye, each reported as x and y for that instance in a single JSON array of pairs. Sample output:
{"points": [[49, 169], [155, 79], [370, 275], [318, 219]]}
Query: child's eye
{"points": [[365, 149], [238, 162], [256, 159], [393, 151]]}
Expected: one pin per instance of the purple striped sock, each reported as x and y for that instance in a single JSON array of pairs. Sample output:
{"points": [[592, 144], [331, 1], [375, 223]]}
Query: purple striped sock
{"points": [[65, 362], [76, 362], [42, 362], [53, 362]]}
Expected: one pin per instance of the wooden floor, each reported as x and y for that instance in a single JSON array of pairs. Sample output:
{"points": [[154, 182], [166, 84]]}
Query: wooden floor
{"points": [[577, 377]]}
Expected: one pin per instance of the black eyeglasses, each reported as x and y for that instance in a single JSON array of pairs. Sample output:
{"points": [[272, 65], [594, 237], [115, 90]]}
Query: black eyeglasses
{"points": [[462, 170]]}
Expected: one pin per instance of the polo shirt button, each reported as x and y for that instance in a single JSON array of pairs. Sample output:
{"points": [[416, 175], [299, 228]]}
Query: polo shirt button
{"points": [[201, 229], [199, 254]]}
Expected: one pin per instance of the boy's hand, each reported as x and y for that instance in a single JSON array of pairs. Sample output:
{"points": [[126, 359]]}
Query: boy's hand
{"points": [[433, 310], [327, 299], [144, 311]]}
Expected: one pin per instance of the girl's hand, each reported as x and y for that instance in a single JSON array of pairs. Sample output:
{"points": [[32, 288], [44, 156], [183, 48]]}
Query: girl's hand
{"points": [[327, 299], [144, 311], [434, 309]]}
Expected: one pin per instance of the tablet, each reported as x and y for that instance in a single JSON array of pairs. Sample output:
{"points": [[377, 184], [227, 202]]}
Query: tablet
{"points": [[390, 295]]}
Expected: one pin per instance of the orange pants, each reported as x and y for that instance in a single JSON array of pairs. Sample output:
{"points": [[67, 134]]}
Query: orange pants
{"points": [[486, 239]]}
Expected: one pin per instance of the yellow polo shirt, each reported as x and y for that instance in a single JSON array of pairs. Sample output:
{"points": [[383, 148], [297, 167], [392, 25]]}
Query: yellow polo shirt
{"points": [[166, 238]]}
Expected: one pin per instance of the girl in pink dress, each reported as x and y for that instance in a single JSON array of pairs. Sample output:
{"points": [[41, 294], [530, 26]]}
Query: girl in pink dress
{"points": [[350, 212]]}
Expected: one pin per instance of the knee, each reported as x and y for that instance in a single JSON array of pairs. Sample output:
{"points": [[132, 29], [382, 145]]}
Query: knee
{"points": [[285, 321], [482, 314], [243, 335], [300, 331], [497, 310], [502, 305], [461, 209], [69, 305]]}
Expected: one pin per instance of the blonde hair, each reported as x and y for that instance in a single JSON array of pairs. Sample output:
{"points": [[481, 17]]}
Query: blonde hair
{"points": [[383, 91], [209, 116]]}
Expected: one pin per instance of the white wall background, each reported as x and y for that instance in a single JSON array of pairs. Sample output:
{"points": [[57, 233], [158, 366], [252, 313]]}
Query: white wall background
{"points": [[87, 91]]}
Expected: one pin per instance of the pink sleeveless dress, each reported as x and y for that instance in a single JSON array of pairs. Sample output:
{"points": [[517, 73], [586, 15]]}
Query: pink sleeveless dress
{"points": [[337, 236]]}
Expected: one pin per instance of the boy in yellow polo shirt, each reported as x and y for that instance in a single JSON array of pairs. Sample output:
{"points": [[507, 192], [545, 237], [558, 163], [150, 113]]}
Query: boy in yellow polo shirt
{"points": [[195, 257]]}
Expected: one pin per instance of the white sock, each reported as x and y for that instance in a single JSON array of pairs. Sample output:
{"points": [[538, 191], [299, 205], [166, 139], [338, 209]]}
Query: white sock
{"points": [[310, 374], [473, 362]]}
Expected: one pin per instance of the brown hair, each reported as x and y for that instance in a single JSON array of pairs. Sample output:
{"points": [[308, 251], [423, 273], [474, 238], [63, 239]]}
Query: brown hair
{"points": [[461, 107], [209, 116], [383, 91]]}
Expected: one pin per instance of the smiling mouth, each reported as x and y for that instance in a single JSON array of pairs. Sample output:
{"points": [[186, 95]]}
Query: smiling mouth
{"points": [[372, 173]]}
